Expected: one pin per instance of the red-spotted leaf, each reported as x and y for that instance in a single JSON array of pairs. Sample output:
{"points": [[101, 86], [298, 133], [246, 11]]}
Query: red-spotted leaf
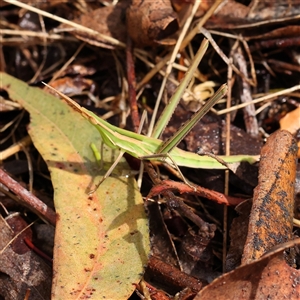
{"points": [[101, 241]]}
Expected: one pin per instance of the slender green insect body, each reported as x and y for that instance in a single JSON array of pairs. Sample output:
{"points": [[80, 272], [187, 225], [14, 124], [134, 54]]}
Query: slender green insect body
{"points": [[140, 146], [152, 148]]}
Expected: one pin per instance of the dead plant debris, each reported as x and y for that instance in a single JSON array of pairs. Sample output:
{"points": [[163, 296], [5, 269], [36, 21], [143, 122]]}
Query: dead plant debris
{"points": [[116, 57]]}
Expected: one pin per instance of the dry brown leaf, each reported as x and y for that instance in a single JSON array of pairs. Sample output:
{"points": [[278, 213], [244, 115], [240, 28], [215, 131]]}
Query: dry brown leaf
{"points": [[73, 86], [108, 21], [238, 235], [21, 269], [147, 22], [269, 277], [151, 22], [233, 9], [271, 219], [232, 14], [286, 31]]}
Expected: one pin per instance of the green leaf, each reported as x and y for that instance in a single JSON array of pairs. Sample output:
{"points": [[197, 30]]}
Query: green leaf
{"points": [[101, 240]]}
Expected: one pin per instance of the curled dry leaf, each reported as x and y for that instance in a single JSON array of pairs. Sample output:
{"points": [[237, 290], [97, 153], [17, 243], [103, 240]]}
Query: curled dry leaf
{"points": [[265, 212], [270, 277], [291, 121], [271, 219], [147, 23], [151, 22], [73, 86]]}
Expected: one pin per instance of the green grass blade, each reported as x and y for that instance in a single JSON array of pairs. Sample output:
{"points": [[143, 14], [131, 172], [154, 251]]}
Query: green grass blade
{"points": [[170, 108]]}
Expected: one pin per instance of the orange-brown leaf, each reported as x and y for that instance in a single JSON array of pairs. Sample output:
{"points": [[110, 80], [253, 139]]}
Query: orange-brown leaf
{"points": [[271, 219]]}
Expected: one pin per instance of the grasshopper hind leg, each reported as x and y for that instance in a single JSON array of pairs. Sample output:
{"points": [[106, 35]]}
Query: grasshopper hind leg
{"points": [[166, 155]]}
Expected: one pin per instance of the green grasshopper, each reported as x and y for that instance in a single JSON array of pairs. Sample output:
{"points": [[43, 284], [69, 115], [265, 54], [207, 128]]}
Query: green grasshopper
{"points": [[152, 148]]}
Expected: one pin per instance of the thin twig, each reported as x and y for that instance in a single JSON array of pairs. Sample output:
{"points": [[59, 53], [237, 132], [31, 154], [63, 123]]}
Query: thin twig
{"points": [[134, 112], [28, 199]]}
